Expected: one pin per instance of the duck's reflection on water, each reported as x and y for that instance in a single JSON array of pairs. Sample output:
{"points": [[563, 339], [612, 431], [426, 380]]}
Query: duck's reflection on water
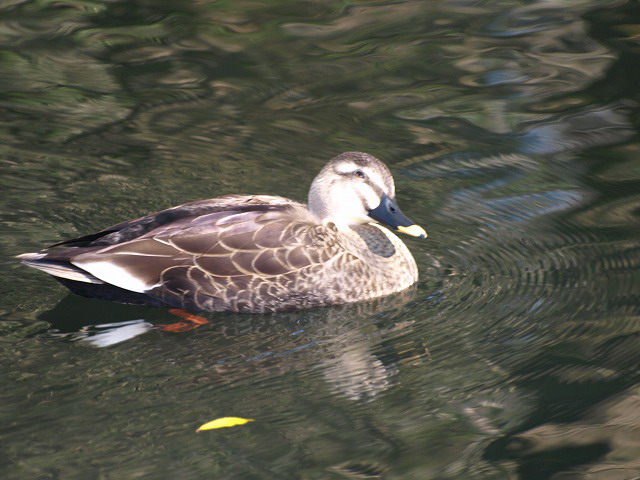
{"points": [[356, 347]]}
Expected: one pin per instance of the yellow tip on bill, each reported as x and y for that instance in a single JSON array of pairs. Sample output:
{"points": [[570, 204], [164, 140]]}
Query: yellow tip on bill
{"points": [[414, 231]]}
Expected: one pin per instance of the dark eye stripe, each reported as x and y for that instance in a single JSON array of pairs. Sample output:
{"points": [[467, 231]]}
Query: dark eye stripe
{"points": [[379, 191], [375, 188]]}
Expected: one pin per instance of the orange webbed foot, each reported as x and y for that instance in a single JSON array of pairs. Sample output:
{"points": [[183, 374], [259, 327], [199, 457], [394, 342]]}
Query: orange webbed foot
{"points": [[189, 321]]}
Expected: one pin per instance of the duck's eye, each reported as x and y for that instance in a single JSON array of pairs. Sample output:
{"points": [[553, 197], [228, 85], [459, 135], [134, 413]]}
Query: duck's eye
{"points": [[359, 174]]}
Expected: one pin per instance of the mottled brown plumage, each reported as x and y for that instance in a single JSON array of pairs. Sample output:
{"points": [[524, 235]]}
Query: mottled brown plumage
{"points": [[250, 253]]}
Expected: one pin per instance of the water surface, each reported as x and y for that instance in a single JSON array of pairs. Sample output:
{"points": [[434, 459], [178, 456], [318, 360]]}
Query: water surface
{"points": [[512, 131]]}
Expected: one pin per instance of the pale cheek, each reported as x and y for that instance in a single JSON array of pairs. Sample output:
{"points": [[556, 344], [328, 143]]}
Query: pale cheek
{"points": [[371, 198], [347, 207], [342, 198]]}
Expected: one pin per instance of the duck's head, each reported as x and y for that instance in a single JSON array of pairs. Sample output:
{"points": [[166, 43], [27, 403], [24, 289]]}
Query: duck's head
{"points": [[356, 188]]}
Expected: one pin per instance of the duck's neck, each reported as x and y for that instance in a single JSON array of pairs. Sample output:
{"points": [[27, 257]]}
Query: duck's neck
{"points": [[316, 202], [344, 214]]}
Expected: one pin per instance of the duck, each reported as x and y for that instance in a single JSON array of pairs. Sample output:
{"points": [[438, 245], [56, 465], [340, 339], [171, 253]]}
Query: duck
{"points": [[252, 253]]}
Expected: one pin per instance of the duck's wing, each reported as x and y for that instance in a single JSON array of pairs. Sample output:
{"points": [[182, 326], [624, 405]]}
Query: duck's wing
{"points": [[132, 229], [243, 258]]}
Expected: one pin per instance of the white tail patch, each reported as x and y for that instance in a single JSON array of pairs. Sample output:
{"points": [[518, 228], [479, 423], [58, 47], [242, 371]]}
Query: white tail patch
{"points": [[114, 275], [57, 270], [31, 256]]}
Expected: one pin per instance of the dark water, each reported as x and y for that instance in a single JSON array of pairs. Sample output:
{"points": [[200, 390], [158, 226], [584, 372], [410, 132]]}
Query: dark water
{"points": [[512, 130]]}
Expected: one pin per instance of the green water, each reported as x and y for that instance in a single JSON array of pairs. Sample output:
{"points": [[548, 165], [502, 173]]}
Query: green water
{"points": [[512, 130]]}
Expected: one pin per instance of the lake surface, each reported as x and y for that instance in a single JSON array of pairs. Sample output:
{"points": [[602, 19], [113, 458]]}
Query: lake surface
{"points": [[512, 130]]}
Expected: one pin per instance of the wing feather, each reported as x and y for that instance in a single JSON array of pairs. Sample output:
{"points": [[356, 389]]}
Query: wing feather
{"points": [[247, 260]]}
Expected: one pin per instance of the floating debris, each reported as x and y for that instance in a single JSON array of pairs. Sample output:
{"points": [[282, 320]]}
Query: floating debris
{"points": [[224, 422]]}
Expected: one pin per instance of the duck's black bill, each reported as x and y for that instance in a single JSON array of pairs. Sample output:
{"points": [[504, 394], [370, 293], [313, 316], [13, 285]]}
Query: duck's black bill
{"points": [[388, 213]]}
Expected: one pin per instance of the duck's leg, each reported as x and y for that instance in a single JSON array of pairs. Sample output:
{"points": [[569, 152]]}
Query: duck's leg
{"points": [[189, 321]]}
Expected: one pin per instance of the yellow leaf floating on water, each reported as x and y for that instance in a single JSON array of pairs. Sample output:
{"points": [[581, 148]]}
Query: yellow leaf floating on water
{"points": [[224, 422]]}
